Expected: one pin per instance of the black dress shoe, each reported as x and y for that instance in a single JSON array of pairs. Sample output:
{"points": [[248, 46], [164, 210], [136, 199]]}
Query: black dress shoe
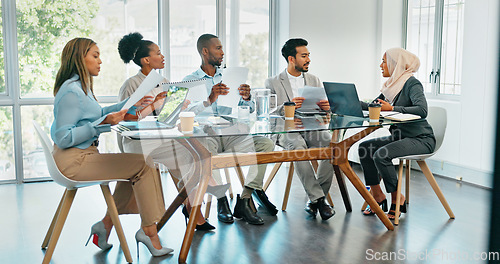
{"points": [[311, 208], [223, 211], [262, 199], [244, 211], [204, 227], [325, 210]]}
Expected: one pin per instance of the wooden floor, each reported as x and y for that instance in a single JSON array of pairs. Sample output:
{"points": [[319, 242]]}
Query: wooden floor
{"points": [[425, 234]]}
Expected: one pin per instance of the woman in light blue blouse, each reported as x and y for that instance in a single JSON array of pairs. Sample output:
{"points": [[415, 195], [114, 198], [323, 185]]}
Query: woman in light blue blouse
{"points": [[78, 121]]}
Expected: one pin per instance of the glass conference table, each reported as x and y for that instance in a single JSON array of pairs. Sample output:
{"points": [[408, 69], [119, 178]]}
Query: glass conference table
{"points": [[205, 162]]}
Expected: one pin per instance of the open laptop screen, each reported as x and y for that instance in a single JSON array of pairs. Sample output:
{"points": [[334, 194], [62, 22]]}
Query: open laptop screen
{"points": [[169, 113], [343, 98], [173, 104]]}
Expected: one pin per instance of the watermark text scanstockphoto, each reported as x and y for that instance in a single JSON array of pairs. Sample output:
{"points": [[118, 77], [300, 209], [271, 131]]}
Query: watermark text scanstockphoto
{"points": [[431, 254]]}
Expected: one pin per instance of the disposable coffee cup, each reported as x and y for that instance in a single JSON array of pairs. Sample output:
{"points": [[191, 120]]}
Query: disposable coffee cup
{"points": [[289, 110], [374, 112], [187, 122], [289, 125]]}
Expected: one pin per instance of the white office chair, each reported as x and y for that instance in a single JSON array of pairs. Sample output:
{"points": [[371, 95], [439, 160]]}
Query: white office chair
{"points": [[437, 119], [67, 199]]}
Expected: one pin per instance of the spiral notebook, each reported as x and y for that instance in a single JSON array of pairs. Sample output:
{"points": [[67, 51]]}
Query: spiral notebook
{"points": [[197, 89]]}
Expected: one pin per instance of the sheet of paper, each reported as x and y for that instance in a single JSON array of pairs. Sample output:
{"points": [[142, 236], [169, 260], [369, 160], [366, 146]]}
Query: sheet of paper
{"points": [[233, 77], [388, 113], [312, 95], [157, 133], [151, 81]]}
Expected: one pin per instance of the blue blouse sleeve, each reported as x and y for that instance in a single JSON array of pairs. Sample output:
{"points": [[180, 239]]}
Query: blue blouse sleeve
{"points": [[114, 108], [69, 112]]}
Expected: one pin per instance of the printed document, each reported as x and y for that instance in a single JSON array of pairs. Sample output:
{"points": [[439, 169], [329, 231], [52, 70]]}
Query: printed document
{"points": [[232, 77], [312, 95], [151, 81]]}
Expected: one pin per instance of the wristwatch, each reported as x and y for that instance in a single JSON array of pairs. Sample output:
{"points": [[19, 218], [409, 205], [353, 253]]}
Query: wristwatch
{"points": [[206, 103]]}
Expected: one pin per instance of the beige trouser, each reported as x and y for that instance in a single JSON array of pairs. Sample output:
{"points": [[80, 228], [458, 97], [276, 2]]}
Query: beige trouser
{"points": [[169, 152], [141, 194], [242, 144]]}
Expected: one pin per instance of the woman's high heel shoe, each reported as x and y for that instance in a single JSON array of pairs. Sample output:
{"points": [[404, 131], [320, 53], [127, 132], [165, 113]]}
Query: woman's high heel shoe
{"points": [[382, 204], [99, 233], [203, 227], [140, 236], [402, 209]]}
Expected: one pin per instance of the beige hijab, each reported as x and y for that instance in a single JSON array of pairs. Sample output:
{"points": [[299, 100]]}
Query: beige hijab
{"points": [[401, 64]]}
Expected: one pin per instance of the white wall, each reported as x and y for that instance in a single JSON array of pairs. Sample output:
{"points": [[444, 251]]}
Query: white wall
{"points": [[347, 39], [468, 149], [477, 114]]}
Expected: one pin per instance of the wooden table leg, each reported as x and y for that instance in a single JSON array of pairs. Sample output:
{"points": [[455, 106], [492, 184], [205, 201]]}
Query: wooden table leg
{"points": [[358, 184], [343, 188], [206, 171], [339, 157], [182, 195], [179, 199], [193, 215]]}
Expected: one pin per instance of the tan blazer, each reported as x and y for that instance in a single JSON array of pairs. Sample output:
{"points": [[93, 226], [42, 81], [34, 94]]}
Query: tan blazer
{"points": [[280, 85]]}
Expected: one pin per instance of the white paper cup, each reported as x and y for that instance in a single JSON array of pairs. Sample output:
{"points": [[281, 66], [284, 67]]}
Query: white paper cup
{"points": [[243, 112], [187, 122]]}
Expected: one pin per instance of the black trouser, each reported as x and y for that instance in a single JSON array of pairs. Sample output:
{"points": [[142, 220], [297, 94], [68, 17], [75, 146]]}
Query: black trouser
{"points": [[376, 157]]}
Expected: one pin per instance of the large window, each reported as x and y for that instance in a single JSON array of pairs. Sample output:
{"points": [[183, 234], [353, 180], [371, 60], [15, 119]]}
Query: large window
{"points": [[7, 162], [2, 65], [188, 20], [33, 34], [435, 34], [242, 26], [41, 31], [247, 38]]}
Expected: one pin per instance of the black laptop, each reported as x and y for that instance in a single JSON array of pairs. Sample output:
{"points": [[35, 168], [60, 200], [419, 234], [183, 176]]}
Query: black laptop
{"points": [[343, 98]]}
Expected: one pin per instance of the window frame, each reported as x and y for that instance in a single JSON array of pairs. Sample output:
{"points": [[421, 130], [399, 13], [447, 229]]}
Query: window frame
{"points": [[221, 21], [12, 99], [437, 50]]}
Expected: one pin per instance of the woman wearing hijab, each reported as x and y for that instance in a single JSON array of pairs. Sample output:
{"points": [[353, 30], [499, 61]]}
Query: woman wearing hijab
{"points": [[403, 93]]}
